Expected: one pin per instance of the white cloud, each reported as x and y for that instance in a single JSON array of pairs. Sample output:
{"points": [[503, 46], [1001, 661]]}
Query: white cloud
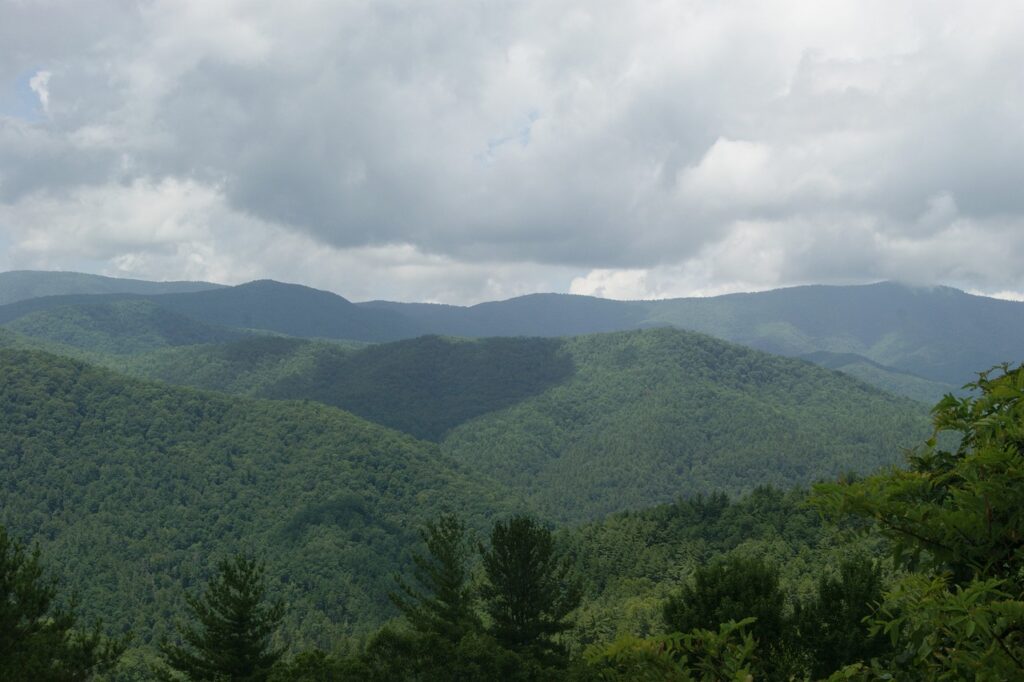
{"points": [[440, 148], [39, 83]]}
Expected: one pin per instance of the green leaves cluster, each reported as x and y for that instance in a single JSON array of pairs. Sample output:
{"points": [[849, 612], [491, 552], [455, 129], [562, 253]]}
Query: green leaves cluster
{"points": [[956, 520]]}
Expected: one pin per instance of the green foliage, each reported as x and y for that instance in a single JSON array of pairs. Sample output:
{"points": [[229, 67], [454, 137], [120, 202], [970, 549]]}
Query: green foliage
{"points": [[832, 628], [730, 589], [445, 610], [654, 415], [130, 488], [527, 590], [956, 517], [721, 655], [40, 639], [119, 328], [230, 640]]}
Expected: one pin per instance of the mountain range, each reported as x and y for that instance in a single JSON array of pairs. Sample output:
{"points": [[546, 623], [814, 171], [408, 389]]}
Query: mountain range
{"points": [[920, 342]]}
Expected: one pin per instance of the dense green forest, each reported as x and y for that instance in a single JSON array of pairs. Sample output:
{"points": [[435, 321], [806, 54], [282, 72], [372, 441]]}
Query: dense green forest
{"points": [[643, 504], [584, 426], [134, 489], [652, 415], [755, 589]]}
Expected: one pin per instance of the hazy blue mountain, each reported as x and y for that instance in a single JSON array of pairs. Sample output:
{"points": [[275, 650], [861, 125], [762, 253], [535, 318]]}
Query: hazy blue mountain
{"points": [[935, 333], [888, 379], [532, 315], [262, 305], [18, 285], [940, 336]]}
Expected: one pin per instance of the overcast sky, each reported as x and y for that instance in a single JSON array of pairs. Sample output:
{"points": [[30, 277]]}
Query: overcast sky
{"points": [[471, 150]]}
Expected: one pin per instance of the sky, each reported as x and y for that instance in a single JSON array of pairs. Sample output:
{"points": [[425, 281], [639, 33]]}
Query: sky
{"points": [[460, 151]]}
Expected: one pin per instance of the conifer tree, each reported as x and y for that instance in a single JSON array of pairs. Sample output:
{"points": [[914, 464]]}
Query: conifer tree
{"points": [[443, 604], [527, 589], [39, 640], [231, 640]]}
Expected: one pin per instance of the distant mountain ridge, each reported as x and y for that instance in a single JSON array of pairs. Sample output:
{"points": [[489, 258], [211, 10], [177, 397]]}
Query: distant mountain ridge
{"points": [[19, 285], [922, 341]]}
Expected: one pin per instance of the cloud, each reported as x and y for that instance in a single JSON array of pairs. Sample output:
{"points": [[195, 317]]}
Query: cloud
{"points": [[650, 149], [40, 84]]}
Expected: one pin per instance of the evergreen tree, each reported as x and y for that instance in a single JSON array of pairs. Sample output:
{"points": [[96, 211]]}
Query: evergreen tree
{"points": [[444, 607], [832, 627], [38, 639], [733, 588], [232, 640], [527, 590]]}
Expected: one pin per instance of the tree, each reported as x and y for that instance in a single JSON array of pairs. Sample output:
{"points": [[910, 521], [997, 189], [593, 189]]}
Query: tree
{"points": [[38, 639], [729, 589], [832, 627], [444, 607], [527, 590], [232, 640], [955, 518]]}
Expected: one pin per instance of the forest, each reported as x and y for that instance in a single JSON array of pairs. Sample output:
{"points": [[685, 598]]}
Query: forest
{"points": [[909, 573], [188, 499]]}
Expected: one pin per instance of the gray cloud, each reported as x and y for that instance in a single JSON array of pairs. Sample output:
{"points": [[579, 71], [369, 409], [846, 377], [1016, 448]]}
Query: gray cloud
{"points": [[478, 150]]}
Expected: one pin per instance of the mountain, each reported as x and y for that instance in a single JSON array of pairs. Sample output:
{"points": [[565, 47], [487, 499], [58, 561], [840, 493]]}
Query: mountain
{"points": [[649, 416], [19, 285], [935, 333], [134, 490], [531, 315], [587, 425], [261, 305], [119, 327], [922, 341], [888, 379]]}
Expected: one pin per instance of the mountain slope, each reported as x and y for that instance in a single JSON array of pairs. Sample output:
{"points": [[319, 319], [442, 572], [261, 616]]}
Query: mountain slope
{"points": [[134, 490], [262, 305], [119, 327], [652, 415], [19, 285], [423, 386], [586, 425], [936, 333]]}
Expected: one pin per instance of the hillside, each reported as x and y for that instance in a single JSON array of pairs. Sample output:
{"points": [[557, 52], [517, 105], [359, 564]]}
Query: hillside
{"points": [[119, 327], [586, 425], [19, 285], [134, 490], [922, 341], [651, 415], [262, 305], [935, 333]]}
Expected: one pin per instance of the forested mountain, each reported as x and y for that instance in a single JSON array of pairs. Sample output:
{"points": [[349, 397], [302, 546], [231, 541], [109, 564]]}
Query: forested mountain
{"points": [[586, 425], [651, 415], [119, 327], [135, 489], [937, 333], [19, 285], [915, 341], [261, 305]]}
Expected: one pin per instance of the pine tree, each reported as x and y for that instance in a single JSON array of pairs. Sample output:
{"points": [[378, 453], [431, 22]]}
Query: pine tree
{"points": [[38, 639], [444, 607], [232, 640], [527, 590]]}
